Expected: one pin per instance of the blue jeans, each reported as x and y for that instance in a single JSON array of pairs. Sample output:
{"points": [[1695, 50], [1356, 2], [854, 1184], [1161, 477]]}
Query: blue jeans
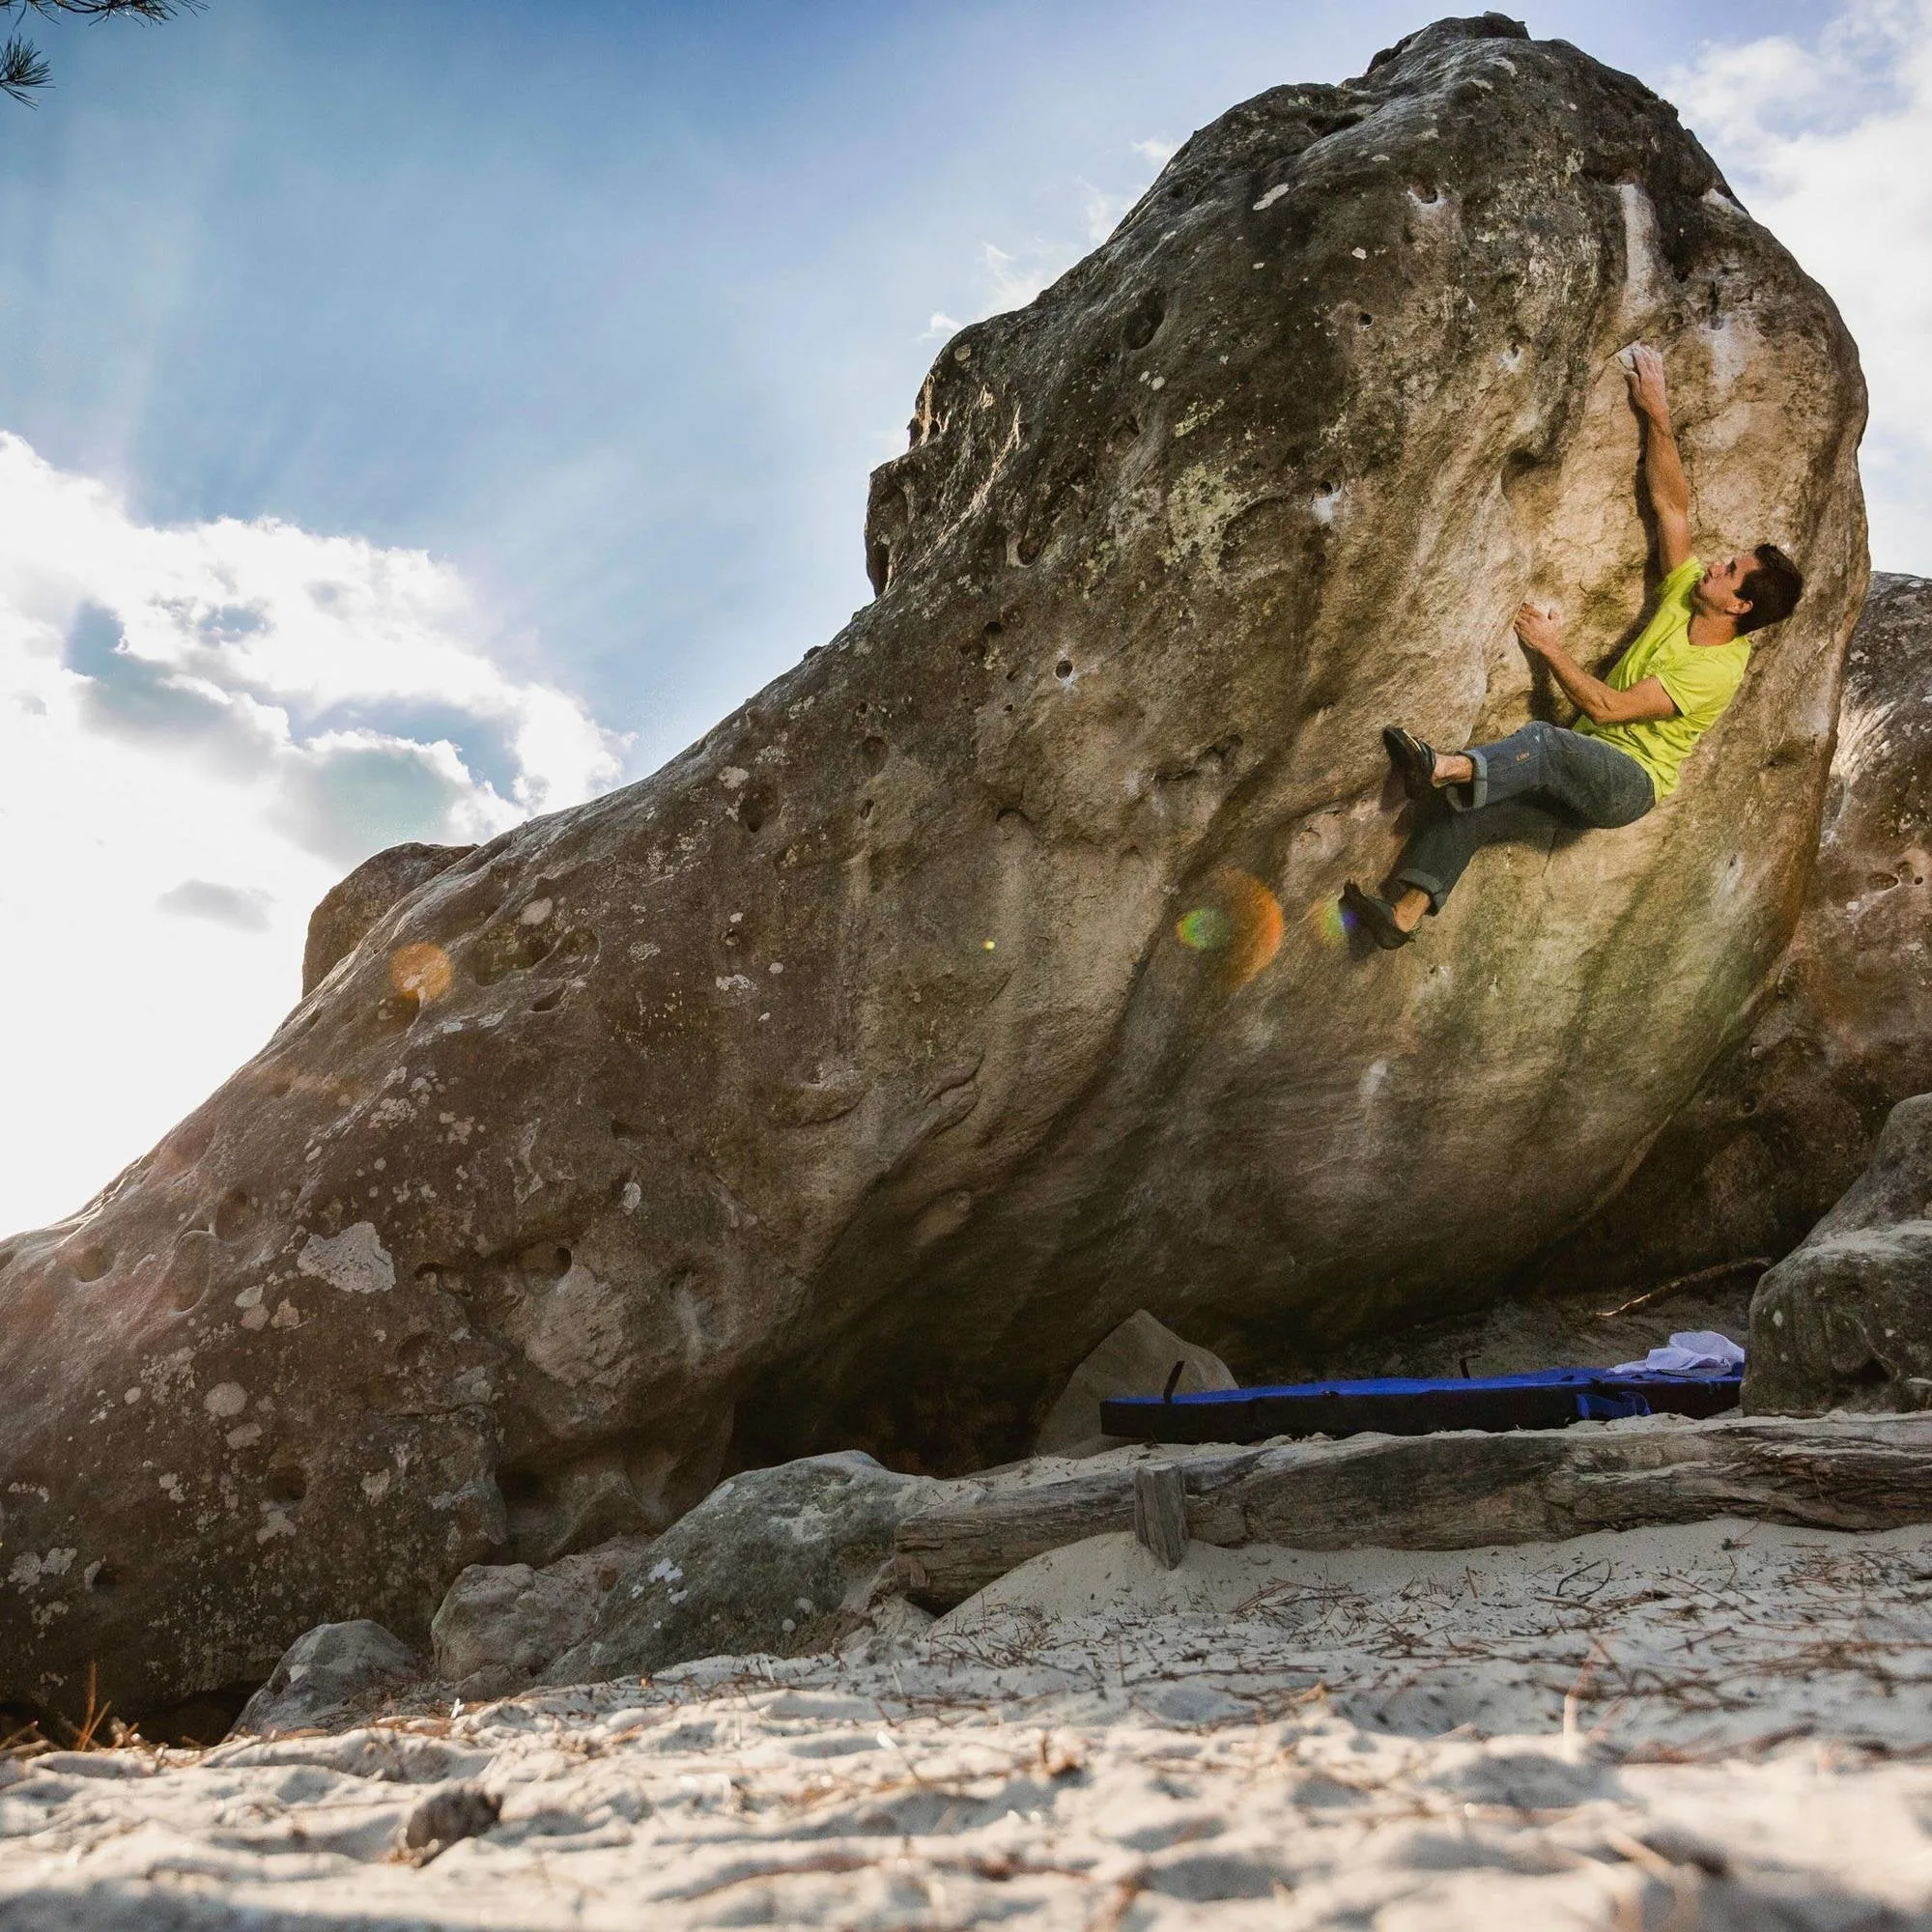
{"points": [[1537, 780]]}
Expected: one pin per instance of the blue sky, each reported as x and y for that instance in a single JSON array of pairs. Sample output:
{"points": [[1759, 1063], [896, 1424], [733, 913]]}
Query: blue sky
{"points": [[561, 342]]}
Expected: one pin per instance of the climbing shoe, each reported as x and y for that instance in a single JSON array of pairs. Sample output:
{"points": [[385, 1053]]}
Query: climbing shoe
{"points": [[1414, 762], [1376, 916]]}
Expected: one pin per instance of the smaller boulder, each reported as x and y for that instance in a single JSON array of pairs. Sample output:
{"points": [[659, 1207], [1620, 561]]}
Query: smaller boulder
{"points": [[1845, 1321], [327, 1677], [346, 912], [502, 1623], [1135, 1359], [783, 1561]]}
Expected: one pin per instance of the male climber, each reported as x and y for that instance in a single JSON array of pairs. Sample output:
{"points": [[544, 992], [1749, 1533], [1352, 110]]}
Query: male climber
{"points": [[1636, 728]]}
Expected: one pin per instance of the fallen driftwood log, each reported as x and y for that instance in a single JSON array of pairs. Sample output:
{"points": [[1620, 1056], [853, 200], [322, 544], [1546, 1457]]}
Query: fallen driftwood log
{"points": [[1451, 1491]]}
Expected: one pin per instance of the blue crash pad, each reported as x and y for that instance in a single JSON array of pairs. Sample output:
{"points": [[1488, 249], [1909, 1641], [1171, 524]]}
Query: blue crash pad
{"points": [[1404, 1405]]}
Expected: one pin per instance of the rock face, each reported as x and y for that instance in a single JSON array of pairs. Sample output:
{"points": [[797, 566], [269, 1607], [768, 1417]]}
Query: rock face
{"points": [[1846, 1321], [1788, 1117], [978, 983], [772, 1561], [347, 911]]}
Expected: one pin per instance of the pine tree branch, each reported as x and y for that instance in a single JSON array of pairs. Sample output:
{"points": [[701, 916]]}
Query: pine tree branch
{"points": [[21, 70], [96, 10]]}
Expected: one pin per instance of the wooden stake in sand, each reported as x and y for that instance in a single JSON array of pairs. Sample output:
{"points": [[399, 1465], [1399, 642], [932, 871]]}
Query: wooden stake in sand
{"points": [[1160, 1512]]}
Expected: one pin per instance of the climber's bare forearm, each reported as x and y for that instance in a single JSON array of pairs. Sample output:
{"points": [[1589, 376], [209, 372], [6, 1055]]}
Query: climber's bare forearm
{"points": [[1669, 492], [1598, 702], [1591, 696], [1663, 478]]}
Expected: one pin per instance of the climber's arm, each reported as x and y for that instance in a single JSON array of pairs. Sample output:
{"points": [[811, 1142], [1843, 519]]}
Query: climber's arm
{"points": [[1598, 701], [1662, 467]]}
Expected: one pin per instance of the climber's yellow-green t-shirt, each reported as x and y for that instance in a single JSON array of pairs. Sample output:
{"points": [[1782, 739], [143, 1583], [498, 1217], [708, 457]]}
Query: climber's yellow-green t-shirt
{"points": [[1701, 679]]}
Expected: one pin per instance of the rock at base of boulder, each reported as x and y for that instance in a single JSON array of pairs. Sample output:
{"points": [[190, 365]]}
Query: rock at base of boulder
{"points": [[1846, 1321], [1135, 1359], [782, 1561], [502, 1623], [328, 1674]]}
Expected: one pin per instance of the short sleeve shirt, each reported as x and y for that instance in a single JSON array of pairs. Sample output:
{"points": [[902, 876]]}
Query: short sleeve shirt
{"points": [[1701, 679]]}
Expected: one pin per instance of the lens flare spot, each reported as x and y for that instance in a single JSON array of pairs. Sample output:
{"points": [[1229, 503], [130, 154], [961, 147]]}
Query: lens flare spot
{"points": [[421, 969], [1240, 918], [1332, 922], [1255, 915], [1207, 928]]}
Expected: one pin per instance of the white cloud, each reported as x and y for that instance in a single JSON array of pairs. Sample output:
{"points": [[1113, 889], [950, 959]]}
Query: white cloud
{"points": [[1827, 145], [1103, 210], [244, 907], [1009, 277], [201, 729]]}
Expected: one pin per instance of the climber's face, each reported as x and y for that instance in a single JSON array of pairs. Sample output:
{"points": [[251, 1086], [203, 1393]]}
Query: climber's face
{"points": [[1717, 589]]}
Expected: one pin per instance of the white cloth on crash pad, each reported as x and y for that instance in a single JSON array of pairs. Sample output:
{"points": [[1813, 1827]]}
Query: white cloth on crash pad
{"points": [[1698, 1351]]}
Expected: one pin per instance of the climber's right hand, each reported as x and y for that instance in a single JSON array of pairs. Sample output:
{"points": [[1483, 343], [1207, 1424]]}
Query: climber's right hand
{"points": [[1644, 373]]}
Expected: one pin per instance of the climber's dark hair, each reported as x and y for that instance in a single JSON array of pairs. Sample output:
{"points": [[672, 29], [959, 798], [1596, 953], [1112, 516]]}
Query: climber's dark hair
{"points": [[1771, 586]]}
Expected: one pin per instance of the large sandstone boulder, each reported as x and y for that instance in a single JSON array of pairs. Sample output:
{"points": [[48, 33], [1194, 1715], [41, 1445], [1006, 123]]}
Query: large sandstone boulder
{"points": [[1846, 1321], [977, 982], [1787, 1117]]}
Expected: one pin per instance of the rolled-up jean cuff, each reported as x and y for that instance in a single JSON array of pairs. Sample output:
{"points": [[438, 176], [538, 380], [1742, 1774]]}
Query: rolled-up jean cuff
{"points": [[1426, 882], [1478, 786]]}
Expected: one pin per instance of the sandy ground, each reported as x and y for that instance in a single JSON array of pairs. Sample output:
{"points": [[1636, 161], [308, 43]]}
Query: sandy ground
{"points": [[1725, 1725]]}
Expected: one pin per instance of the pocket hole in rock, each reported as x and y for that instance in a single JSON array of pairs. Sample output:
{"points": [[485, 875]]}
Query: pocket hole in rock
{"points": [[549, 1001], [1145, 323], [874, 750], [185, 1283], [92, 1262], [755, 809], [1064, 668], [288, 1480], [235, 1213], [865, 808], [413, 1348], [106, 1575], [396, 1010]]}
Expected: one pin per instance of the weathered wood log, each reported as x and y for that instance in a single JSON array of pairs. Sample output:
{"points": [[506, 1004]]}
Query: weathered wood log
{"points": [[1452, 1492], [1160, 1512]]}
